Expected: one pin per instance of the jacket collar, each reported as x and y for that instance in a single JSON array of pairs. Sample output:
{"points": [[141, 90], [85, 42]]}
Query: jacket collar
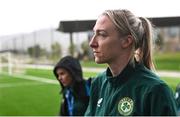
{"points": [[124, 76]]}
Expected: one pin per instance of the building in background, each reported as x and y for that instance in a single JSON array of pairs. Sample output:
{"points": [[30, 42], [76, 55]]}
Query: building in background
{"points": [[46, 46]]}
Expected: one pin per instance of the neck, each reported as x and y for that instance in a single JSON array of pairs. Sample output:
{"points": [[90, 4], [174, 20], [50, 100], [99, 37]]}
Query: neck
{"points": [[117, 67]]}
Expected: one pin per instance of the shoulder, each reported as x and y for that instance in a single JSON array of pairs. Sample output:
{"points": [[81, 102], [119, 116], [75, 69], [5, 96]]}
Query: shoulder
{"points": [[147, 76], [97, 81], [149, 80], [99, 78], [154, 85], [142, 70], [161, 88]]}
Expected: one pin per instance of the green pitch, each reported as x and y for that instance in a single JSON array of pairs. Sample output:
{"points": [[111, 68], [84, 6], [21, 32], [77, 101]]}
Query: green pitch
{"points": [[167, 61], [26, 97]]}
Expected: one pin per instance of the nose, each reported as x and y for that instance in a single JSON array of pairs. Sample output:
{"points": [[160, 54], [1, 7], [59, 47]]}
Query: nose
{"points": [[59, 78], [93, 42]]}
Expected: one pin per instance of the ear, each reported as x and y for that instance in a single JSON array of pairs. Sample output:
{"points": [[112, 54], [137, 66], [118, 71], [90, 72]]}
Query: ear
{"points": [[127, 41]]}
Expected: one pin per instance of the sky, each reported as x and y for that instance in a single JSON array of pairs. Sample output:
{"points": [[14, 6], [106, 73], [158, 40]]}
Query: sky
{"points": [[23, 16]]}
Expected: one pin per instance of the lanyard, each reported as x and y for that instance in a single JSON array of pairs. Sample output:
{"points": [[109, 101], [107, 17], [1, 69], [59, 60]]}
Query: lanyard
{"points": [[70, 101]]}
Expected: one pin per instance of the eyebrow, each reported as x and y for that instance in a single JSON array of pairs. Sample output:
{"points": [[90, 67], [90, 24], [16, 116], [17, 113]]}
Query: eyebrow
{"points": [[99, 30]]}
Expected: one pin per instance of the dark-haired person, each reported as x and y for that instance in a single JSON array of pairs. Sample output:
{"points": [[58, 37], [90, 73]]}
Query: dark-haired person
{"points": [[128, 86], [75, 89]]}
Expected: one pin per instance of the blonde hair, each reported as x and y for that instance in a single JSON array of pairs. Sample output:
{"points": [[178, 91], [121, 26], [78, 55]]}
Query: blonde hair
{"points": [[140, 29]]}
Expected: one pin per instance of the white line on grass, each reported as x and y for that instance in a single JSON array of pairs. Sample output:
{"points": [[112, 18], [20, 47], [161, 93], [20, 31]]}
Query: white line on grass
{"points": [[34, 78], [171, 74], [7, 85]]}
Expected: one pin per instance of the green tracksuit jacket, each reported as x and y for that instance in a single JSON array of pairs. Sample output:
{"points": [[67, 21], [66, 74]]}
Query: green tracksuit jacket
{"points": [[135, 91]]}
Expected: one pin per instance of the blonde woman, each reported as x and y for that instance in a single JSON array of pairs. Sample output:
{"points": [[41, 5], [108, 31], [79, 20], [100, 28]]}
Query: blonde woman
{"points": [[128, 86]]}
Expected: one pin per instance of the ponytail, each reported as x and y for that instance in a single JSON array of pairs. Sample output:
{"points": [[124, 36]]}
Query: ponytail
{"points": [[140, 30], [146, 44]]}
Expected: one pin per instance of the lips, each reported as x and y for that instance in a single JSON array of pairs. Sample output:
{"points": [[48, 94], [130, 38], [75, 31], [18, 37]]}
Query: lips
{"points": [[95, 53], [63, 83]]}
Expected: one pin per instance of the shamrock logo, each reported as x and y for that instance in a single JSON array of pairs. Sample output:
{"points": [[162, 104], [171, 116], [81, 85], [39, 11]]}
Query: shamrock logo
{"points": [[125, 106]]}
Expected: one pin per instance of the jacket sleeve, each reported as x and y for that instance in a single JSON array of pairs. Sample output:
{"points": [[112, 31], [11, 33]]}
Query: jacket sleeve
{"points": [[90, 111], [63, 108], [160, 101]]}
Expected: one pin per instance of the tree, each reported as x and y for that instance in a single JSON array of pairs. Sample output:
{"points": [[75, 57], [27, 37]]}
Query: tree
{"points": [[85, 47], [71, 49], [56, 51], [159, 41], [34, 51]]}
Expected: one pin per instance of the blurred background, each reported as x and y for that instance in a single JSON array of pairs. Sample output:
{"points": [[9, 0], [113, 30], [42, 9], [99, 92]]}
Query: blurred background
{"points": [[35, 34]]}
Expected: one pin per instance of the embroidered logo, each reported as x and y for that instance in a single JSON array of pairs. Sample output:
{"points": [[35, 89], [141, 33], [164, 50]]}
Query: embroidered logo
{"points": [[99, 102], [125, 106]]}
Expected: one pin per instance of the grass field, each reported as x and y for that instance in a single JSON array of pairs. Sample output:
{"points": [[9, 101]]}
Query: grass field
{"points": [[49, 73], [23, 97], [167, 61], [26, 97], [163, 61], [172, 82]]}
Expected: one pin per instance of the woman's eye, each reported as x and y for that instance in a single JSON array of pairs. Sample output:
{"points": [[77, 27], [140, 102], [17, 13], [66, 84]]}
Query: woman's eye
{"points": [[102, 34], [61, 73]]}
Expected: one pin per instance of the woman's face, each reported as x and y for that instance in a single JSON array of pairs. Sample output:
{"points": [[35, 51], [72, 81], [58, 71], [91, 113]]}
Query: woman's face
{"points": [[64, 77], [106, 41]]}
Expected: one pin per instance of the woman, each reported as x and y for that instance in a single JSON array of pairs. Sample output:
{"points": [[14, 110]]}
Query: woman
{"points": [[128, 86], [75, 89]]}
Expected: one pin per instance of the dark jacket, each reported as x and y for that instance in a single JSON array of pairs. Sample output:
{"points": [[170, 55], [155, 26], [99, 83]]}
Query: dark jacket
{"points": [[78, 88], [136, 91]]}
